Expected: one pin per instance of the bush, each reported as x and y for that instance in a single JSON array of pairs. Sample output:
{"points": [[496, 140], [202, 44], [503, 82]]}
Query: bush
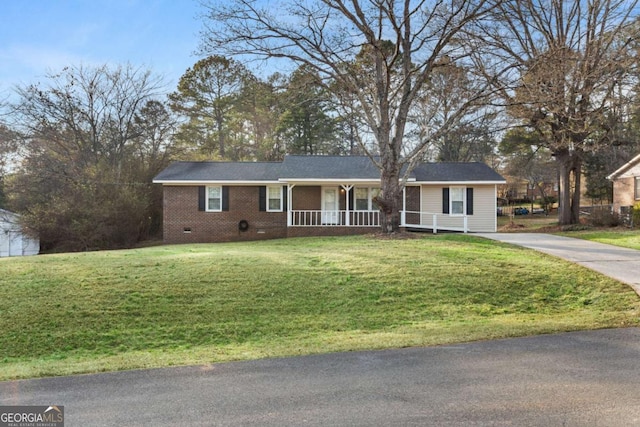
{"points": [[604, 218], [635, 215], [547, 203], [575, 227]]}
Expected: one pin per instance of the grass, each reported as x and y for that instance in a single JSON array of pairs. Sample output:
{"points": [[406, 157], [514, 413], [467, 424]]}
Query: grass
{"points": [[197, 304], [526, 223], [620, 236]]}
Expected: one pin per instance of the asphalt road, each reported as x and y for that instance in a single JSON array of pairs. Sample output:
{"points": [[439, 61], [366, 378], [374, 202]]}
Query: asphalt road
{"points": [[574, 379]]}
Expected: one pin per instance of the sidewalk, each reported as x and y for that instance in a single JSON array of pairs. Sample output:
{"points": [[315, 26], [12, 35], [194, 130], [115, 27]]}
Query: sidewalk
{"points": [[619, 263]]}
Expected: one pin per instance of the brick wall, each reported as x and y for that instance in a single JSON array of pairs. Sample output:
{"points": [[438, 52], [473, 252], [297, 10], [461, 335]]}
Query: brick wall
{"points": [[306, 198], [623, 193], [184, 223], [329, 231]]}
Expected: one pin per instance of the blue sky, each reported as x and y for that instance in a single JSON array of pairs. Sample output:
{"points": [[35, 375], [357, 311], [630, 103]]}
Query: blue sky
{"points": [[41, 36]]}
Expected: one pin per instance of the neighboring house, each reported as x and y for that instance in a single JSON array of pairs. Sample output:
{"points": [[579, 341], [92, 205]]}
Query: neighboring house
{"points": [[521, 189], [13, 241], [626, 185], [317, 195]]}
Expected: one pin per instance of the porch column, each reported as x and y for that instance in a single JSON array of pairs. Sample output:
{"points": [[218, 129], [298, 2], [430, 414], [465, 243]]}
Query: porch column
{"points": [[347, 188], [290, 204], [403, 216]]}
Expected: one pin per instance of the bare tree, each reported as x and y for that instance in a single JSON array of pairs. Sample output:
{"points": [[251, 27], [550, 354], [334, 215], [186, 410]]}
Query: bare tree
{"points": [[86, 114], [469, 137], [374, 56], [567, 59], [93, 139]]}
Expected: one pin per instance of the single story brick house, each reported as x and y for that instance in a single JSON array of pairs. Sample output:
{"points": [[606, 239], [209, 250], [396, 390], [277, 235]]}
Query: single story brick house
{"points": [[626, 185], [317, 196]]}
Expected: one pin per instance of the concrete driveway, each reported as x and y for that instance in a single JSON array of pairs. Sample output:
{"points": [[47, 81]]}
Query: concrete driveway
{"points": [[579, 379], [619, 263]]}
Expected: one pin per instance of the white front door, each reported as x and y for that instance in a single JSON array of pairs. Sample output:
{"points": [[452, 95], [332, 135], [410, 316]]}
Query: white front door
{"points": [[330, 206]]}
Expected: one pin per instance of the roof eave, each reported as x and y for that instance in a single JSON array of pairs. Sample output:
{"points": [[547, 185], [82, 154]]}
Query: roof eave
{"points": [[458, 182], [212, 182], [334, 180], [622, 169]]}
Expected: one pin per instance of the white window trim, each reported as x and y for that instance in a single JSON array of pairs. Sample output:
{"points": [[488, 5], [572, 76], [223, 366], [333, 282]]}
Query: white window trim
{"points": [[207, 208], [355, 199], [636, 193], [369, 198], [464, 201], [269, 187]]}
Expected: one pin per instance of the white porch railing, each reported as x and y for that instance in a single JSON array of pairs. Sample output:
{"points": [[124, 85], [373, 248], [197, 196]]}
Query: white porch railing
{"points": [[434, 221], [411, 219], [341, 218]]}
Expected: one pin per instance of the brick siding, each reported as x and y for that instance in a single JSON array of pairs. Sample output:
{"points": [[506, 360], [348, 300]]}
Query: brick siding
{"points": [[306, 198], [623, 193], [184, 223]]}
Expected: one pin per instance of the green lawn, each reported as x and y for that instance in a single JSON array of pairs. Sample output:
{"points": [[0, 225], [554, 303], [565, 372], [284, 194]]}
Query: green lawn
{"points": [[524, 223], [620, 236], [197, 304]]}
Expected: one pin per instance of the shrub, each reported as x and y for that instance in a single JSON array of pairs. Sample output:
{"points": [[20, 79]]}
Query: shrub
{"points": [[635, 215], [575, 227], [547, 202], [604, 218]]}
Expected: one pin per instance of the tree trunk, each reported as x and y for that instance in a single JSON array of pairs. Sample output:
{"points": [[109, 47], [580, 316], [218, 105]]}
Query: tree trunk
{"points": [[390, 199], [390, 207], [221, 142], [569, 167]]}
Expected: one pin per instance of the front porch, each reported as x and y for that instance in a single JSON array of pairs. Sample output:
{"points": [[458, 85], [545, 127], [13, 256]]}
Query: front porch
{"points": [[351, 205], [341, 218], [408, 219]]}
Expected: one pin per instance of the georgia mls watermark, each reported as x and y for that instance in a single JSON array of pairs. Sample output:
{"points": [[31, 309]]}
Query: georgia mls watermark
{"points": [[32, 416]]}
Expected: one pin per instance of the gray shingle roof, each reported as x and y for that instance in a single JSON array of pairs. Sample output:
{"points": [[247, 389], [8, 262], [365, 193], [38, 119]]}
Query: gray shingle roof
{"points": [[318, 167], [455, 172], [329, 167], [220, 171]]}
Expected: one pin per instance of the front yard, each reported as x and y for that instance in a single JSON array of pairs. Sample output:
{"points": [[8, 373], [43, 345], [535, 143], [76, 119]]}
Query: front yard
{"points": [[198, 304], [618, 236]]}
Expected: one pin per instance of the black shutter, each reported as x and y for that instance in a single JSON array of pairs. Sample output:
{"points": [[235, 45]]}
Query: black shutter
{"points": [[445, 200], [262, 198], [225, 198], [202, 198], [469, 201], [284, 197], [352, 198]]}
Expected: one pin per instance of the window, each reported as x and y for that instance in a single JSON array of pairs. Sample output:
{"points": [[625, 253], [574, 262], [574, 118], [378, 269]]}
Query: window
{"points": [[363, 200], [214, 199], [637, 187], [456, 200], [375, 192], [274, 196]]}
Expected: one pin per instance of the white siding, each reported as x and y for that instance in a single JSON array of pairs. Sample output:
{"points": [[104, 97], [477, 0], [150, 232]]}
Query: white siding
{"points": [[484, 209], [12, 241]]}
